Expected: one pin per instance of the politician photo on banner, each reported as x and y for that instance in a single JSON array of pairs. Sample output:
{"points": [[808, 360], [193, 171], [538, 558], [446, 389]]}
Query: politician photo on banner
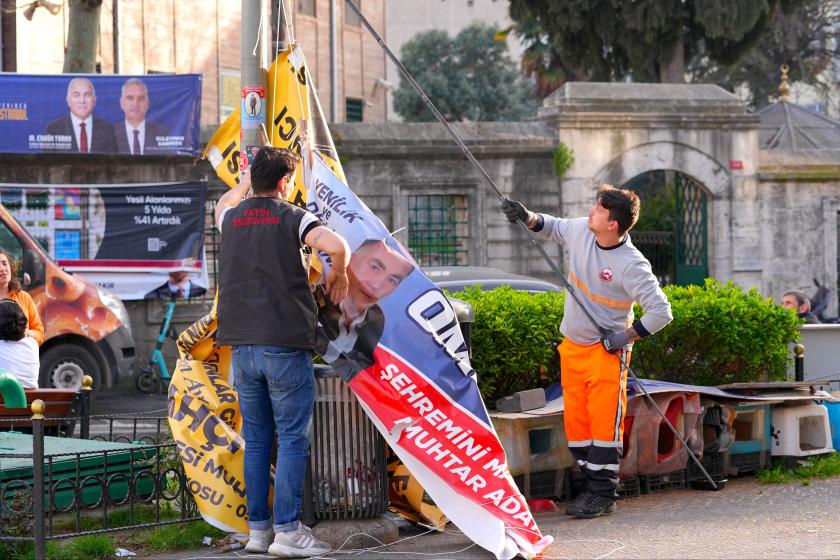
{"points": [[348, 333], [80, 131], [135, 134]]}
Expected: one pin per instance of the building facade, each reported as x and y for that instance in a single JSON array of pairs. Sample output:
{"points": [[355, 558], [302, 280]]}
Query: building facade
{"points": [[202, 36]]}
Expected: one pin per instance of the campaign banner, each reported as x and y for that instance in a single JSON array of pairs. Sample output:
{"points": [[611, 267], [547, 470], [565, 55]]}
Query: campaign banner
{"points": [[131, 233], [95, 113], [395, 341]]}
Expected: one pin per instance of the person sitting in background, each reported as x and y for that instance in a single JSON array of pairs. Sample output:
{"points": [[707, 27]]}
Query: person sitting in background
{"points": [[10, 289], [18, 352], [797, 300]]}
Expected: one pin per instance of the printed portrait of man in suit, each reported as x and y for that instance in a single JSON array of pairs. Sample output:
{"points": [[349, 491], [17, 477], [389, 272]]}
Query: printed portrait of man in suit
{"points": [[87, 133], [348, 333], [135, 134]]}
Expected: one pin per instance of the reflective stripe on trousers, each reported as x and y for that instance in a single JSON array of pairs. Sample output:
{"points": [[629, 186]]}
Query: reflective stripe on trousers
{"points": [[595, 399]]}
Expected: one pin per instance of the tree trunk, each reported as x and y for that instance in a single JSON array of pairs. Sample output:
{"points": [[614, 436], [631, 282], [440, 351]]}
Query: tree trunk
{"points": [[82, 36], [673, 70]]}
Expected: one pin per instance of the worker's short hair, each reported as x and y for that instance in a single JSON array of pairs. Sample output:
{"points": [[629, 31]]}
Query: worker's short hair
{"points": [[13, 321], [270, 166], [623, 205], [801, 297]]}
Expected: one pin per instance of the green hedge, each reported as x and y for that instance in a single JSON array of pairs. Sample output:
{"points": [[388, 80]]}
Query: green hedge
{"points": [[719, 335], [514, 339]]}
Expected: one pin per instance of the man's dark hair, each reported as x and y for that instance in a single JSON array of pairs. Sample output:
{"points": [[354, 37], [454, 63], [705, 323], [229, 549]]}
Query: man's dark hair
{"points": [[801, 297], [623, 205], [13, 321], [270, 166]]}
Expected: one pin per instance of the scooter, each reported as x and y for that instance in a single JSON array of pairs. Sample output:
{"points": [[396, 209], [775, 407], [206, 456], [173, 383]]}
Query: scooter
{"points": [[151, 380]]}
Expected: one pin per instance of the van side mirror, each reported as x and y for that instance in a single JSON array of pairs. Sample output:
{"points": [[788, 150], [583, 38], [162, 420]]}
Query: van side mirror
{"points": [[33, 269]]}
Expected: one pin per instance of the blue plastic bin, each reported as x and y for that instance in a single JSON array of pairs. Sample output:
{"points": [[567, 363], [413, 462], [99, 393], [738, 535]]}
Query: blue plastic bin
{"points": [[834, 420]]}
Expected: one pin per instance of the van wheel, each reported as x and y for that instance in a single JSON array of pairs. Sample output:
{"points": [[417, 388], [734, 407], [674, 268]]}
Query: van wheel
{"points": [[64, 366]]}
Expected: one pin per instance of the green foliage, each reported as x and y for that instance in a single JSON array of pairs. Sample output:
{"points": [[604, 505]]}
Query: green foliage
{"points": [[719, 335], [514, 339], [98, 547], [562, 159], [658, 195], [174, 537], [650, 41], [817, 467], [468, 78], [804, 38]]}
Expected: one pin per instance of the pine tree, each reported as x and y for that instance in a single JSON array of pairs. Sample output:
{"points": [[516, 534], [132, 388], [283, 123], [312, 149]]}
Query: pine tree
{"points": [[641, 40]]}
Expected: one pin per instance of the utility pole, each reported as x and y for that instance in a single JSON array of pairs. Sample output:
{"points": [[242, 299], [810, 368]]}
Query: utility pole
{"points": [[333, 65], [115, 23], [282, 34], [252, 77]]}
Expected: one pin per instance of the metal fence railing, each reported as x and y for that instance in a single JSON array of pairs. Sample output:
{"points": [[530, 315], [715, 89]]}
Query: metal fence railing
{"points": [[120, 472]]}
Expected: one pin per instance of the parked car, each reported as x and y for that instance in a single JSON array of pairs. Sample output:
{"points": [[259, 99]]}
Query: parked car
{"points": [[87, 329], [456, 278]]}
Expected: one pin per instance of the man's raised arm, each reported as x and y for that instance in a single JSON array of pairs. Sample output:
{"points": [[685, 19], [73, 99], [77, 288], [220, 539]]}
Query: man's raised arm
{"points": [[234, 196], [324, 239]]}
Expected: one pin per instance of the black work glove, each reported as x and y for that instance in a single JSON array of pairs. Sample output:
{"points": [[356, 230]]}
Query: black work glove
{"points": [[615, 341], [514, 210]]}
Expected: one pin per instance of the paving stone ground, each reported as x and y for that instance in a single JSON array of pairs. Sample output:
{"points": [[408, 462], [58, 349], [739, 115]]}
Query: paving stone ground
{"points": [[745, 520]]}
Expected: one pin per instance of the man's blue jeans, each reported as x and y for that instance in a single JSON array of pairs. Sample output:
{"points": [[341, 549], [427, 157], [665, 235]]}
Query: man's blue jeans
{"points": [[276, 388]]}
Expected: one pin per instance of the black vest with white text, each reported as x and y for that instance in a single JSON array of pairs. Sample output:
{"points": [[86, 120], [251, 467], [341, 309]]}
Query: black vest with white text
{"points": [[264, 296]]}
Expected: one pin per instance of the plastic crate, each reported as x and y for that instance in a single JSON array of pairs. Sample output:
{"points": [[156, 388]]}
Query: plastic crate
{"points": [[546, 484], [747, 462], [673, 480], [629, 488], [716, 464]]}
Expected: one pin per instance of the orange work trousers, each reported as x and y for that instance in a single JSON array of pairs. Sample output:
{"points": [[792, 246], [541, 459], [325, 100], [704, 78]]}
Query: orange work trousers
{"points": [[595, 399]]}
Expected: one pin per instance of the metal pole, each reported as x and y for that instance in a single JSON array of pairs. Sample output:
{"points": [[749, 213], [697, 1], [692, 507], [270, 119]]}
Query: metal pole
{"points": [[569, 289], [115, 23], [799, 362], [84, 413], [282, 33], [253, 75], [333, 65], [39, 492]]}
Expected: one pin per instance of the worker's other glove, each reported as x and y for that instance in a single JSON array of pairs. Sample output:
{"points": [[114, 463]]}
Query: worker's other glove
{"points": [[615, 341], [514, 210]]}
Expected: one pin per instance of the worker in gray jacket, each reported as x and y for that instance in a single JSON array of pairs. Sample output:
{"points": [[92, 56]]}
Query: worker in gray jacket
{"points": [[609, 274]]}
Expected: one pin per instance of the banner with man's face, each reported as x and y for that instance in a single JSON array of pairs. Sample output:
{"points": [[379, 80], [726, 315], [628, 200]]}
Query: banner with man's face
{"points": [[94, 113]]}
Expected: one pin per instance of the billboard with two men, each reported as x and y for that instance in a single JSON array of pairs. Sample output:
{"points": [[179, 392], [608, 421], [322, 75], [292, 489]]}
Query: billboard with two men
{"points": [[92, 113]]}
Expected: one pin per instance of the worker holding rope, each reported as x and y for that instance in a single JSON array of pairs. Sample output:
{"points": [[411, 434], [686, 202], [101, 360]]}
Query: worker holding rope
{"points": [[609, 272]]}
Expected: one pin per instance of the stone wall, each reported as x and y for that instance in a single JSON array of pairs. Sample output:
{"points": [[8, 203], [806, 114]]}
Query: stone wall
{"points": [[385, 164]]}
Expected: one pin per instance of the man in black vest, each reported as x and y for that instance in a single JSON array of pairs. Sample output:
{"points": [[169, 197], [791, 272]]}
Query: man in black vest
{"points": [[267, 314]]}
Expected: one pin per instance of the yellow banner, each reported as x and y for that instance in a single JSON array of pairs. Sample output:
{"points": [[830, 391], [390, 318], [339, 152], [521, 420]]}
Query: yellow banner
{"points": [[205, 421], [288, 109], [223, 149]]}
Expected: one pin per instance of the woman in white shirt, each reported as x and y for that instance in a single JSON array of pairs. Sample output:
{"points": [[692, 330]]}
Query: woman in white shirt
{"points": [[18, 352]]}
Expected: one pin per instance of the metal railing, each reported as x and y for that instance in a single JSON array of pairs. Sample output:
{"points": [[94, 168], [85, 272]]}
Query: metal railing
{"points": [[87, 488]]}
